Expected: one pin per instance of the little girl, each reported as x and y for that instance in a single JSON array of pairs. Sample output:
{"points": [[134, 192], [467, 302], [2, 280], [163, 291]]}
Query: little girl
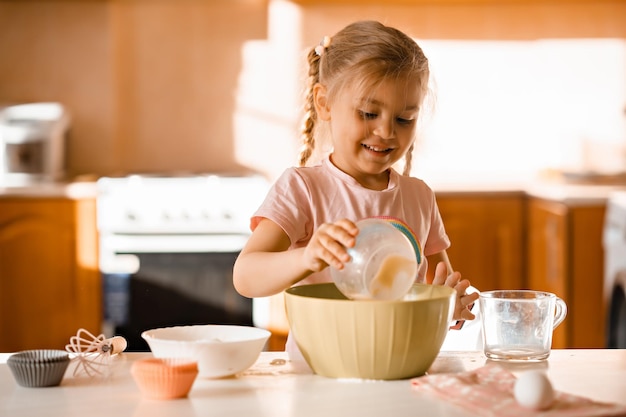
{"points": [[367, 84]]}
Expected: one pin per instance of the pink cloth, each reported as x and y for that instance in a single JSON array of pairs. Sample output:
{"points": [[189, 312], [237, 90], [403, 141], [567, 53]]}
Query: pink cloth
{"points": [[488, 392], [304, 198]]}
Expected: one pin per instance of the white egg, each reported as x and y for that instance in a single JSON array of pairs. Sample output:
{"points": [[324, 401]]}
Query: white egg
{"points": [[533, 390]]}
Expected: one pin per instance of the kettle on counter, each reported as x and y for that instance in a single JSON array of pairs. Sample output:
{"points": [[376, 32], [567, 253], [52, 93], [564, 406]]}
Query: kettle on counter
{"points": [[32, 143]]}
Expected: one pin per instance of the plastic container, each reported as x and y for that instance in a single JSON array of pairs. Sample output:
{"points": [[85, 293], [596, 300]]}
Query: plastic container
{"points": [[383, 265]]}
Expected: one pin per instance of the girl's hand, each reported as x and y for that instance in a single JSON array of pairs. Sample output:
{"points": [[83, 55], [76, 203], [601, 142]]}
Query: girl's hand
{"points": [[328, 245], [463, 300]]}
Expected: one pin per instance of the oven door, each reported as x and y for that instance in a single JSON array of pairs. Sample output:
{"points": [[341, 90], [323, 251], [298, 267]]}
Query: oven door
{"points": [[155, 281]]}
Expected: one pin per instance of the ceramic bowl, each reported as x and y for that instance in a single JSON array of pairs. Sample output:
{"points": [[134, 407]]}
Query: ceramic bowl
{"points": [[39, 367], [383, 263], [220, 350], [373, 339], [164, 378]]}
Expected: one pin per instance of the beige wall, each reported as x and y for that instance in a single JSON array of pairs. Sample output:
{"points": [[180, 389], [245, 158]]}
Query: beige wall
{"points": [[63, 51], [153, 84], [476, 19], [150, 83]]}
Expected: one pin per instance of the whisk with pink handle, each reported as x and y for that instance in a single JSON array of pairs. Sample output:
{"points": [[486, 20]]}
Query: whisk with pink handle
{"points": [[93, 353]]}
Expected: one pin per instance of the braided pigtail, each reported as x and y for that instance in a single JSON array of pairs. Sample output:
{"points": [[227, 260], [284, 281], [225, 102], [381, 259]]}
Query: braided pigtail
{"points": [[408, 161], [310, 114]]}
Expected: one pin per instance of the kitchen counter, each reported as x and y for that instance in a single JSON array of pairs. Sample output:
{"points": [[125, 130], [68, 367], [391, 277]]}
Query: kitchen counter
{"points": [[72, 190], [568, 193], [273, 387], [571, 194]]}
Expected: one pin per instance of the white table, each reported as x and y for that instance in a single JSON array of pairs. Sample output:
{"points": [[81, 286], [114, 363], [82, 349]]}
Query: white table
{"points": [[279, 390]]}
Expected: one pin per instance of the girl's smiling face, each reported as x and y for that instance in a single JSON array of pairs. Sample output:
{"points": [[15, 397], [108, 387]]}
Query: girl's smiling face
{"points": [[370, 132]]}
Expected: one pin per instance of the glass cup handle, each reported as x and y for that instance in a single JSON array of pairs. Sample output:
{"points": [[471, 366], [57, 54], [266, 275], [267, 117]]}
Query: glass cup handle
{"points": [[560, 312]]}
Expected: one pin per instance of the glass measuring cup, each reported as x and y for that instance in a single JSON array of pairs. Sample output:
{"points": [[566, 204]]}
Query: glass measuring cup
{"points": [[518, 324]]}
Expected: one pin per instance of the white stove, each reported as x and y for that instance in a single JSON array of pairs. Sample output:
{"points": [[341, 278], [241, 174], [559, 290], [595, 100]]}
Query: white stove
{"points": [[176, 214], [167, 248], [208, 204]]}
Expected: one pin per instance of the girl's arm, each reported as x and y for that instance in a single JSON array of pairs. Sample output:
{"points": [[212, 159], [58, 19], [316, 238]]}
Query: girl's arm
{"points": [[267, 266]]}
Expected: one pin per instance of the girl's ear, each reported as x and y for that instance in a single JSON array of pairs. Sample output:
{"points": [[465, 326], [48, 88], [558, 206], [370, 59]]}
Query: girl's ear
{"points": [[321, 102]]}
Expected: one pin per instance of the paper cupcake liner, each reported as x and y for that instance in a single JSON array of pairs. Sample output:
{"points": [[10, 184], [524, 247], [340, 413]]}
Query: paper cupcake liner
{"points": [[39, 368], [164, 378]]}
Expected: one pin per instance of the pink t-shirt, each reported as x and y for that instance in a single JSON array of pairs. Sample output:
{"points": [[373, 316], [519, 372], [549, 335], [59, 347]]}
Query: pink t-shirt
{"points": [[303, 198]]}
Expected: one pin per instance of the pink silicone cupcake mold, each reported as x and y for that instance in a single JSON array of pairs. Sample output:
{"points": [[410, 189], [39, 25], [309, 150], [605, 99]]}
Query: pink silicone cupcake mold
{"points": [[164, 378]]}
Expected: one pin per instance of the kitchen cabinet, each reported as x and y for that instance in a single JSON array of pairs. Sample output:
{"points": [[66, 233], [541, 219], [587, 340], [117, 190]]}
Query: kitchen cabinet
{"points": [[49, 279], [486, 231], [565, 257]]}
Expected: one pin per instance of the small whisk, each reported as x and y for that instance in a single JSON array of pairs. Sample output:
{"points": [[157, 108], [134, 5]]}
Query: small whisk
{"points": [[93, 353]]}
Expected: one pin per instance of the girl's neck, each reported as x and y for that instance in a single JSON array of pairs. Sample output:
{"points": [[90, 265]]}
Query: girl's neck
{"points": [[377, 182]]}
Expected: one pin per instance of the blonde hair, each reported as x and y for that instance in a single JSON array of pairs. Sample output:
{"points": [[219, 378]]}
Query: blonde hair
{"points": [[361, 55]]}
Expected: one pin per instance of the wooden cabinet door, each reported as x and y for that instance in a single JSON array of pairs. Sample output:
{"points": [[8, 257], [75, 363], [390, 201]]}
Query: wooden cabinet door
{"points": [[486, 234], [548, 237], [565, 257], [49, 280], [588, 309]]}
